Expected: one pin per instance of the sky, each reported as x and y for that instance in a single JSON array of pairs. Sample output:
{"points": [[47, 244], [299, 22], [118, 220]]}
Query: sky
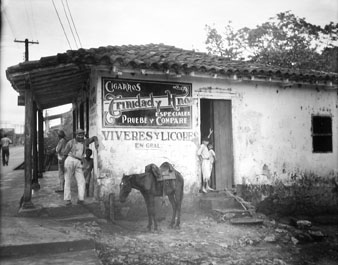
{"points": [[180, 23]]}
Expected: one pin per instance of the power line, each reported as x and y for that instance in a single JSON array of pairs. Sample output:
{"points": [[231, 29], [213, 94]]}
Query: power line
{"points": [[57, 13], [33, 20], [9, 23], [28, 19], [70, 13], [70, 26]]}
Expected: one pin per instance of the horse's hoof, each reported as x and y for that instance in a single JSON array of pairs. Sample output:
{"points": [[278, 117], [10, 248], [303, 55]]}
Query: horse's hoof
{"points": [[157, 231]]}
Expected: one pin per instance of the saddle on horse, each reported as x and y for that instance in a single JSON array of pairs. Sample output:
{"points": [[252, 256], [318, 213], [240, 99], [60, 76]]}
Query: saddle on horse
{"points": [[166, 175], [167, 178]]}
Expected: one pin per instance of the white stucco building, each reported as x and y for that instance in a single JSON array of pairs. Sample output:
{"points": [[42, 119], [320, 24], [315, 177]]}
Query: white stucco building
{"points": [[153, 103]]}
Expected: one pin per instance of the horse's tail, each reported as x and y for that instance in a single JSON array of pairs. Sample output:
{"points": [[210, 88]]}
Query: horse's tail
{"points": [[182, 189], [181, 179]]}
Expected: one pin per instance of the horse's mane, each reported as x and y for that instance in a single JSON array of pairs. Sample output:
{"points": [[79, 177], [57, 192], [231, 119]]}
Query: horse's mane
{"points": [[140, 175]]}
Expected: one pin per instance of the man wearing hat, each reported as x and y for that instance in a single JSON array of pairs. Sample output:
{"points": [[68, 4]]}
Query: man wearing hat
{"points": [[60, 149], [76, 149]]}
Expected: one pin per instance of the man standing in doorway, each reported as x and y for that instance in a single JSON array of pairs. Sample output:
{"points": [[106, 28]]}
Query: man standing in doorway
{"points": [[60, 149], [5, 142], [76, 149], [204, 156]]}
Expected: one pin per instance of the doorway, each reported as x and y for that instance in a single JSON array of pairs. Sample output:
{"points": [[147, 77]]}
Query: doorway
{"points": [[216, 115]]}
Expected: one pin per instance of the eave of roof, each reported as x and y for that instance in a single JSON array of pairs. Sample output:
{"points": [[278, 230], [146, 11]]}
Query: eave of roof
{"points": [[72, 67]]}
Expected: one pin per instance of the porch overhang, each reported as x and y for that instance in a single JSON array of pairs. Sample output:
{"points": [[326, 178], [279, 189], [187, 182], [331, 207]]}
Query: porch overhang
{"points": [[51, 86]]}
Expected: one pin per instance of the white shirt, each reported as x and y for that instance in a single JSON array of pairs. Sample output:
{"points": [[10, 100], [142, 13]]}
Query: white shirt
{"points": [[60, 148], [5, 141], [212, 156], [203, 152], [75, 149]]}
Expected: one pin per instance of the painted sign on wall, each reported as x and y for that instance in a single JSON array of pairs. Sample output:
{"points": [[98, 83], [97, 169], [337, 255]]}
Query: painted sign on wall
{"points": [[149, 104]]}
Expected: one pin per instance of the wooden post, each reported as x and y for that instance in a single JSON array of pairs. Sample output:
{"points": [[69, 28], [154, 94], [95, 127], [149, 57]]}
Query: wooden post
{"points": [[27, 196], [111, 207], [74, 122], [35, 181], [40, 144]]}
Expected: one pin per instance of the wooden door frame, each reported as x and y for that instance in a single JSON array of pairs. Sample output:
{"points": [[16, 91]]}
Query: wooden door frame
{"points": [[208, 103]]}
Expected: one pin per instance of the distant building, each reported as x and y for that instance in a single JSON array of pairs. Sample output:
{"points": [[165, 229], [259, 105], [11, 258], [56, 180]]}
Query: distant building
{"points": [[18, 128], [17, 138]]}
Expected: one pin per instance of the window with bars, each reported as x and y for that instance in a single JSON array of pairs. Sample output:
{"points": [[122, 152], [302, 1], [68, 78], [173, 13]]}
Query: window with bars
{"points": [[321, 134]]}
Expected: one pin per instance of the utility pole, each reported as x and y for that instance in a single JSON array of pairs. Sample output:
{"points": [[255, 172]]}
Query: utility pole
{"points": [[26, 41]]}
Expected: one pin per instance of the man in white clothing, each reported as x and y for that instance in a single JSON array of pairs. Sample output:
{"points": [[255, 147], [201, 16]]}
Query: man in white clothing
{"points": [[204, 156], [76, 149]]}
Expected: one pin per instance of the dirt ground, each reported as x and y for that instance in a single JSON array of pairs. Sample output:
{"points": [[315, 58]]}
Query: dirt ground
{"points": [[204, 240]]}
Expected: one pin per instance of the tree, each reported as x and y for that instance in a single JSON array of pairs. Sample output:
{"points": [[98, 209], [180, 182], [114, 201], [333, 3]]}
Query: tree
{"points": [[228, 46], [329, 59], [285, 40]]}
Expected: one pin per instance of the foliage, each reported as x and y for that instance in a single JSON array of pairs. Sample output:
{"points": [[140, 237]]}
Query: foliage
{"points": [[228, 46], [68, 125], [285, 40], [303, 193], [51, 136]]}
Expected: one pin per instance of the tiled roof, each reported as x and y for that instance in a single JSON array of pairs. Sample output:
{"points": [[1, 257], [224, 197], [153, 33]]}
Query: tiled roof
{"points": [[57, 80], [163, 57]]}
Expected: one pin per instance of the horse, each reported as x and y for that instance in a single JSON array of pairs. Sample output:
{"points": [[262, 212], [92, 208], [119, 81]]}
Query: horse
{"points": [[150, 186]]}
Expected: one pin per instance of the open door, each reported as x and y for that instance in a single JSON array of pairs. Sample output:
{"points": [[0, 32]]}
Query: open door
{"points": [[216, 115]]}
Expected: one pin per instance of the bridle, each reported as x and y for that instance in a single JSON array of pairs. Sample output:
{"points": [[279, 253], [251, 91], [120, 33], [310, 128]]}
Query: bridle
{"points": [[125, 184]]}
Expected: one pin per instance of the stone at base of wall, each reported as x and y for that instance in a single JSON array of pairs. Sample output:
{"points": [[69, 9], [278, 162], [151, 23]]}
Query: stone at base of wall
{"points": [[297, 199]]}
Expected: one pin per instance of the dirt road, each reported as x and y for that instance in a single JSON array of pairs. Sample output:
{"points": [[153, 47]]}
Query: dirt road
{"points": [[16, 157], [201, 240]]}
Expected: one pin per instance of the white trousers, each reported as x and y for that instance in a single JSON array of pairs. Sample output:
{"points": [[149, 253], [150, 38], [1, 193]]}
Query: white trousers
{"points": [[73, 167], [206, 169]]}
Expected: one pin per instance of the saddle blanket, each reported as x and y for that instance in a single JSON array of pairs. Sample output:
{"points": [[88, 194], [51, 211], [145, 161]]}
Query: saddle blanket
{"points": [[166, 175]]}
